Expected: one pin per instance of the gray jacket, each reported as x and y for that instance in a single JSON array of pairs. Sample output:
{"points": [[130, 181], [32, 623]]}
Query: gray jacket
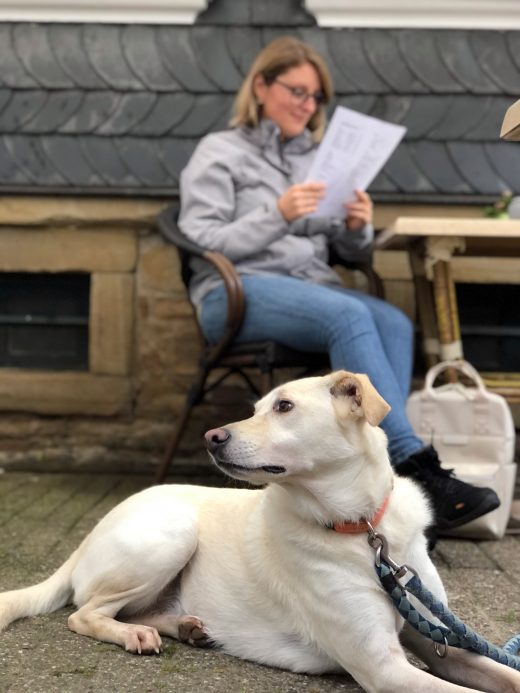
{"points": [[229, 193]]}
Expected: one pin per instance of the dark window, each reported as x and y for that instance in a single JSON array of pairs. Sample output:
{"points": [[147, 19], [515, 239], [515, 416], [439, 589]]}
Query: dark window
{"points": [[490, 325], [44, 320]]}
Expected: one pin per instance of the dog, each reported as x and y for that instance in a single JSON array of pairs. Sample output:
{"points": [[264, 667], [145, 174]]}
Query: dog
{"points": [[263, 573]]}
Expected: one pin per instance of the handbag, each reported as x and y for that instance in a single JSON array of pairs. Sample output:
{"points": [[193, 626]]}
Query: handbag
{"points": [[473, 432]]}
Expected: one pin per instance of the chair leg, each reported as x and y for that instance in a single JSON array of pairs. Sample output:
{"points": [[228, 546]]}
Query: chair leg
{"points": [[193, 397], [173, 444], [266, 382]]}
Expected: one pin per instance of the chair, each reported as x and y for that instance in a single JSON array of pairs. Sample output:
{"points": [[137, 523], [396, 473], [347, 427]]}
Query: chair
{"points": [[266, 356]]}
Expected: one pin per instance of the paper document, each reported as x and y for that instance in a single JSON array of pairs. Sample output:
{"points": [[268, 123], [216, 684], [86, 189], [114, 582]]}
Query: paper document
{"points": [[353, 151]]}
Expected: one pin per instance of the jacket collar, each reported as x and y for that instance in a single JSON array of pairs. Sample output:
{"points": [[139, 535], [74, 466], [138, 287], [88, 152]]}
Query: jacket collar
{"points": [[267, 137]]}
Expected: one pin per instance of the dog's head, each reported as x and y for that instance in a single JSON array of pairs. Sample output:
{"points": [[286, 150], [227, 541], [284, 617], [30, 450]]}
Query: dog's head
{"points": [[302, 426]]}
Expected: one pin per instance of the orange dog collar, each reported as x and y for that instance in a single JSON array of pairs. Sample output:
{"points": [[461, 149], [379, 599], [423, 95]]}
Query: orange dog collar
{"points": [[362, 525]]}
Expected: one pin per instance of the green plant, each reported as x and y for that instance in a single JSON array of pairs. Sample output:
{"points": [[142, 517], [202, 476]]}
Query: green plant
{"points": [[498, 210], [510, 617]]}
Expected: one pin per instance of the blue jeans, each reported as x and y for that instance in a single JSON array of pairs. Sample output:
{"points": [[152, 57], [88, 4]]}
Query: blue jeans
{"points": [[360, 333]]}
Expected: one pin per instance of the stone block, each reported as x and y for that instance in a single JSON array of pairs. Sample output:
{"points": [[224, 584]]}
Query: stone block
{"points": [[28, 426], [402, 295], [159, 398], [67, 250], [65, 393], [392, 264], [168, 308], [159, 267], [167, 345], [111, 323]]}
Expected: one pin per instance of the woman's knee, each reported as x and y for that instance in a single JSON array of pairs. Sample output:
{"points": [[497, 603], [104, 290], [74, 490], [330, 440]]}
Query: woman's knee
{"points": [[382, 319], [390, 317], [353, 316]]}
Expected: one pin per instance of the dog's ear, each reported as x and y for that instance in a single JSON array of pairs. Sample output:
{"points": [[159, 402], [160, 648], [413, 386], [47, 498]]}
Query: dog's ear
{"points": [[362, 396]]}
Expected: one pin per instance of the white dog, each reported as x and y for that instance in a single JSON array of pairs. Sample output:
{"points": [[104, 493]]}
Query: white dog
{"points": [[262, 573]]}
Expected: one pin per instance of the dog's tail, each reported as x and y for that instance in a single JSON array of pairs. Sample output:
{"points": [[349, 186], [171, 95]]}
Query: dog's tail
{"points": [[46, 596]]}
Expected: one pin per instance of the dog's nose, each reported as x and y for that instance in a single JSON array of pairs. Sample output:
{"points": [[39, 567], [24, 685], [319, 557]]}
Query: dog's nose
{"points": [[216, 437]]}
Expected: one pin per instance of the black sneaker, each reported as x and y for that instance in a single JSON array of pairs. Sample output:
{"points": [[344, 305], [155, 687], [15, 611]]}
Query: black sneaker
{"points": [[454, 501]]}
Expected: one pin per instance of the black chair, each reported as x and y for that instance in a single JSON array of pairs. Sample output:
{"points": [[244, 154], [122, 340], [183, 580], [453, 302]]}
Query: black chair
{"points": [[266, 356]]}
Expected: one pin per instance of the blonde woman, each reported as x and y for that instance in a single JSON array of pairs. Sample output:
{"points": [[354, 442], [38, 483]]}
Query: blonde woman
{"points": [[243, 194]]}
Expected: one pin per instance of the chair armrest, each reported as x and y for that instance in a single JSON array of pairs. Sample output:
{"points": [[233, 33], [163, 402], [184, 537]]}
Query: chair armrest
{"points": [[167, 225], [374, 281]]}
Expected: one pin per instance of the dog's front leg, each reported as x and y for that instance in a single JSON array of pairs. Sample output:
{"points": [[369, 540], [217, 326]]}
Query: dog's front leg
{"points": [[362, 636], [96, 620], [188, 629], [463, 667]]}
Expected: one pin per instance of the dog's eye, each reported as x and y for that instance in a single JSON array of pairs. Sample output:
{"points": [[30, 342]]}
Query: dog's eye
{"points": [[283, 405]]}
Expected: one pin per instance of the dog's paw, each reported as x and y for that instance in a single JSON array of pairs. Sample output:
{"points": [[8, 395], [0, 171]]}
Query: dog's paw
{"points": [[192, 631], [142, 640]]}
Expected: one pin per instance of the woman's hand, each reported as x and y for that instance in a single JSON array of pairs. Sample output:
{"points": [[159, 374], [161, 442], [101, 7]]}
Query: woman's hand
{"points": [[359, 213], [299, 200]]}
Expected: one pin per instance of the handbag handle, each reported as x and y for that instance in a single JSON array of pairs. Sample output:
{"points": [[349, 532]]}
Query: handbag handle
{"points": [[462, 366]]}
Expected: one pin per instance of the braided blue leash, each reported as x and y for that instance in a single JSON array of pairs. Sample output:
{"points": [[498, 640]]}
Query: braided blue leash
{"points": [[451, 630]]}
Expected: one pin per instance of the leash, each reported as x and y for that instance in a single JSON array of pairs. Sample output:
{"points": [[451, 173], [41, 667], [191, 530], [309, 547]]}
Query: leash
{"points": [[448, 630]]}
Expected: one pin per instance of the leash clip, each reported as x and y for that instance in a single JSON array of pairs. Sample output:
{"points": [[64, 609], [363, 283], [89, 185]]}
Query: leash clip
{"points": [[380, 545]]}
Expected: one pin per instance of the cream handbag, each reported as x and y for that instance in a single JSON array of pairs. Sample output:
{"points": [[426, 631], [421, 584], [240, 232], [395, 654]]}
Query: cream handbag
{"points": [[473, 432]]}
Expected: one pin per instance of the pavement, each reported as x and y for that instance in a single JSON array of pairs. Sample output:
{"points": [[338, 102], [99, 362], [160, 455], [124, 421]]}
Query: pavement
{"points": [[43, 517]]}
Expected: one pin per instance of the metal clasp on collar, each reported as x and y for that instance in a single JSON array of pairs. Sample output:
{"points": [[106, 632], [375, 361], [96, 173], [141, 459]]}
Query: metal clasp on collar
{"points": [[380, 545]]}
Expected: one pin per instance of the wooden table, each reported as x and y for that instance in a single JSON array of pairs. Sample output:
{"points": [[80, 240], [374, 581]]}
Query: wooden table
{"points": [[431, 243]]}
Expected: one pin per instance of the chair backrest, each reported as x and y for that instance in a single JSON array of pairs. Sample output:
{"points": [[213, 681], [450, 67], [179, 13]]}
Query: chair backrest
{"points": [[169, 229], [186, 270], [168, 226]]}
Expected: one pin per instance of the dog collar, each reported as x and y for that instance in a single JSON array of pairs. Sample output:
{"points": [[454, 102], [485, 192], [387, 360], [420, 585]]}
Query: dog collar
{"points": [[363, 525]]}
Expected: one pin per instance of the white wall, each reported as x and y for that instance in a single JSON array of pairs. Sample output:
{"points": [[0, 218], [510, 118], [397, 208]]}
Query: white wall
{"points": [[462, 14], [469, 14], [109, 11]]}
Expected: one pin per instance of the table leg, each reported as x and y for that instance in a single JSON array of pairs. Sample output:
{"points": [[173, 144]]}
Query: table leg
{"points": [[425, 310], [447, 314]]}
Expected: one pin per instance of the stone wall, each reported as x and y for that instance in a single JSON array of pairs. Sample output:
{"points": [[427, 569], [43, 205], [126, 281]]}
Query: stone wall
{"points": [[143, 341]]}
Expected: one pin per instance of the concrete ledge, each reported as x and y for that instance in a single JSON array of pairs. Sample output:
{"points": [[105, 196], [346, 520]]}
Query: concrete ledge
{"points": [[67, 250], [42, 211], [63, 393]]}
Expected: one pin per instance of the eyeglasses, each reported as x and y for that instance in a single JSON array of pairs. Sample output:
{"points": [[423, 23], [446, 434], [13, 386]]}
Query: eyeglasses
{"points": [[301, 95]]}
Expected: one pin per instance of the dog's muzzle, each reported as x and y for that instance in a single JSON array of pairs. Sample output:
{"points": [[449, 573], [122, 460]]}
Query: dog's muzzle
{"points": [[216, 442]]}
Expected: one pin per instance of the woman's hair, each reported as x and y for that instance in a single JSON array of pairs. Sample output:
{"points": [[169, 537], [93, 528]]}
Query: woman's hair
{"points": [[278, 57]]}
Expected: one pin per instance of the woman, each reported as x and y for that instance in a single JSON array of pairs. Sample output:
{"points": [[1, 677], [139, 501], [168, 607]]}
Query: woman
{"points": [[242, 194]]}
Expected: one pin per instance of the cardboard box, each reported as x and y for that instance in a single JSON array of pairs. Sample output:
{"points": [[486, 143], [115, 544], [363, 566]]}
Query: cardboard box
{"points": [[511, 125]]}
